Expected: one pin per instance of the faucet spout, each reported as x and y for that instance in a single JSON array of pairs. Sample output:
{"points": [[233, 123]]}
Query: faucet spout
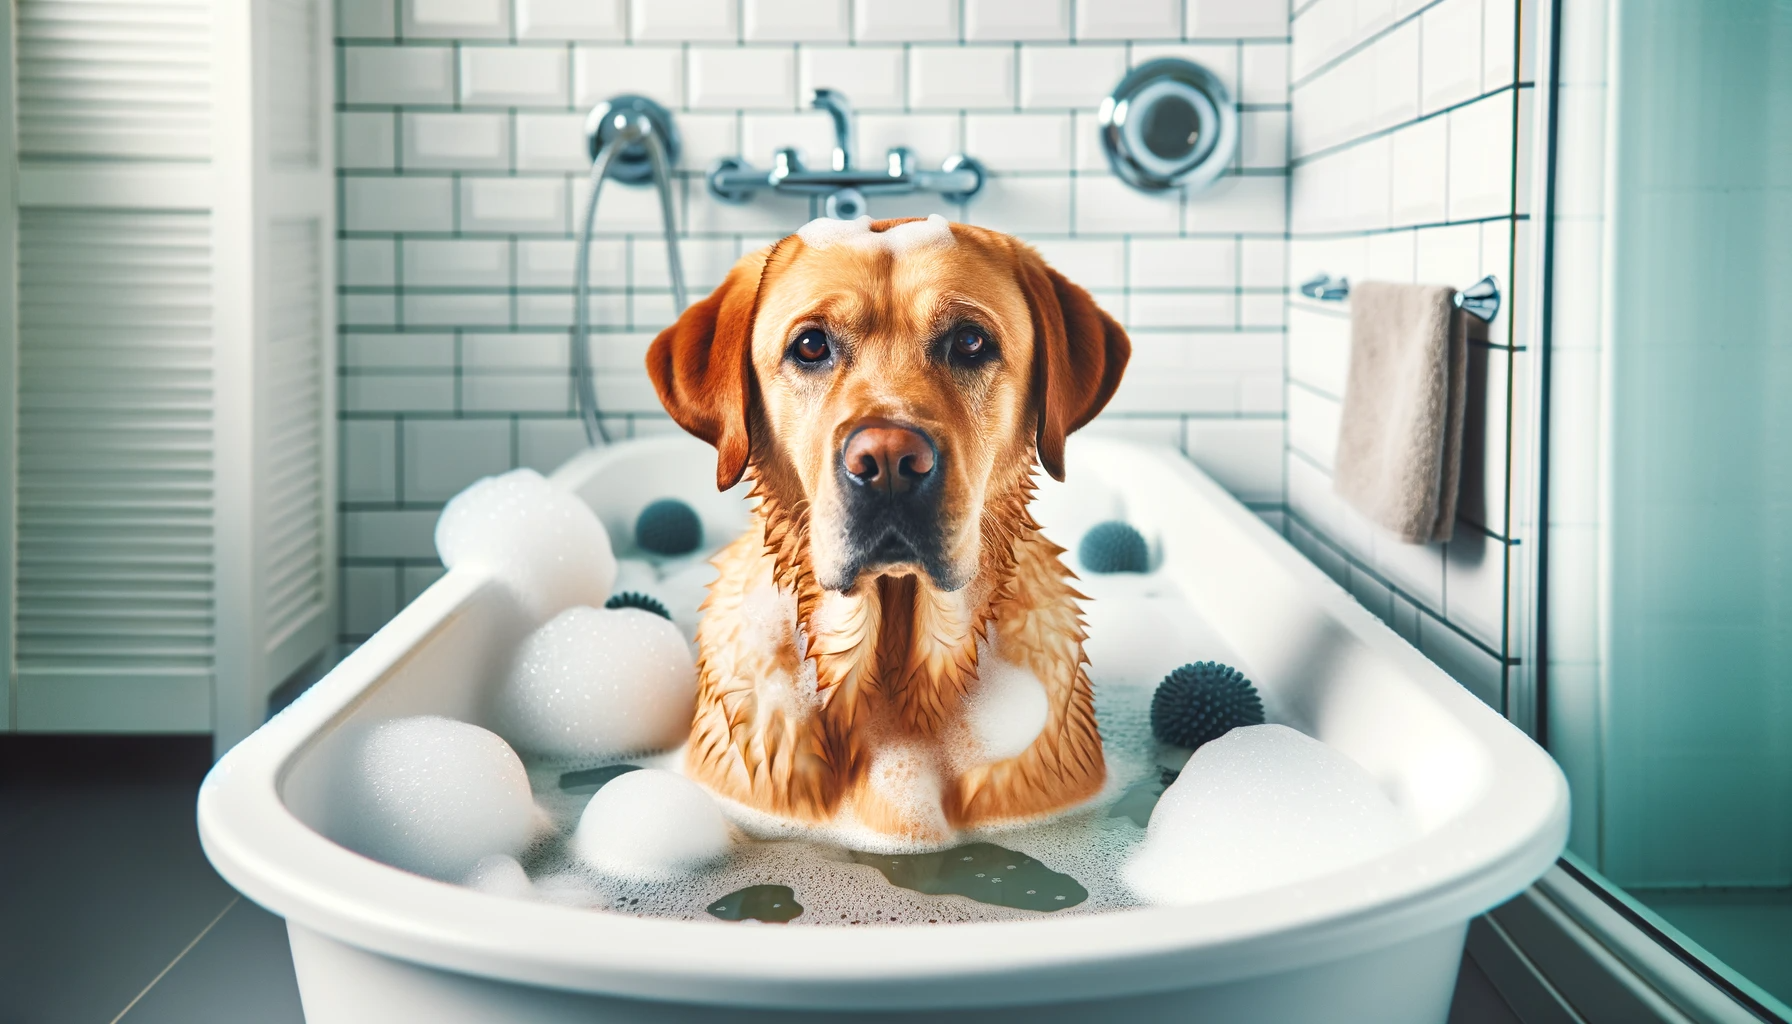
{"points": [[841, 186], [834, 102]]}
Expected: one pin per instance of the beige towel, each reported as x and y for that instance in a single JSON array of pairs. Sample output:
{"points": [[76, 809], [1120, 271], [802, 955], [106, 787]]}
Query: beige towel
{"points": [[1400, 437]]}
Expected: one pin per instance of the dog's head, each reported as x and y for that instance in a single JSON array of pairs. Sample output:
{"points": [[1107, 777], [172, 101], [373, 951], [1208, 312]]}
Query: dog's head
{"points": [[892, 377]]}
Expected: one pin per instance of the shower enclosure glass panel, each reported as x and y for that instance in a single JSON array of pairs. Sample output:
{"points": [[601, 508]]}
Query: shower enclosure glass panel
{"points": [[1669, 609]]}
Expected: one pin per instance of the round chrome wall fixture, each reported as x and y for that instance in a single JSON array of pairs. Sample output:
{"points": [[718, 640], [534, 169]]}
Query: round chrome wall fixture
{"points": [[632, 165], [1169, 124]]}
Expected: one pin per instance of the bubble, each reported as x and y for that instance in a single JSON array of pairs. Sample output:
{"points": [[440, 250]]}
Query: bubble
{"points": [[500, 875], [651, 824], [1006, 710], [537, 538], [431, 795], [599, 682], [1261, 806]]}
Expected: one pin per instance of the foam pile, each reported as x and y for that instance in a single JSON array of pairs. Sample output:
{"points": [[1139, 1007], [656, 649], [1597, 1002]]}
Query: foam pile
{"points": [[650, 825], [500, 875], [546, 545], [599, 683], [1006, 710], [826, 232], [431, 795], [1260, 807]]}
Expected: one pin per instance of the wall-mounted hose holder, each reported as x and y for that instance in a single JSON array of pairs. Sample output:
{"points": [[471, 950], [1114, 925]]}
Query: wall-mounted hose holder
{"points": [[632, 164]]}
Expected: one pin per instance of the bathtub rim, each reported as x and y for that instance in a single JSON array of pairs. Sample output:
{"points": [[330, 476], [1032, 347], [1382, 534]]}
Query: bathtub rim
{"points": [[1508, 836]]}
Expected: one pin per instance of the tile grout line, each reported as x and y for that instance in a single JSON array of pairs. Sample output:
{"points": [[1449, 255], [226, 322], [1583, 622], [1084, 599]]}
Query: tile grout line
{"points": [[203, 932], [460, 178]]}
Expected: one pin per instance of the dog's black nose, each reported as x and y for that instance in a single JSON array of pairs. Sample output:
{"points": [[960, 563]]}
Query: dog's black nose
{"points": [[889, 458]]}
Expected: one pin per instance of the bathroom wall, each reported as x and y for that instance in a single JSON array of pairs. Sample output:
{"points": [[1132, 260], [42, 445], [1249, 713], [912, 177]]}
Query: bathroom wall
{"points": [[1410, 161], [460, 158]]}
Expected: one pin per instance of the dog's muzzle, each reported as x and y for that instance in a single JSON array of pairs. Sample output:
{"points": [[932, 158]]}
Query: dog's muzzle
{"points": [[891, 479]]}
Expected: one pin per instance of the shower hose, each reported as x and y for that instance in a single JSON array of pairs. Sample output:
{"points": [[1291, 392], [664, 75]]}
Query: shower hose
{"points": [[634, 129]]}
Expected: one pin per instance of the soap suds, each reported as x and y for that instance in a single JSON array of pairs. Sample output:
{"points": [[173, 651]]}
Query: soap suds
{"points": [[1087, 843], [431, 795], [823, 232], [651, 825], [1005, 710], [1260, 807], [537, 538], [661, 846], [599, 682], [500, 875]]}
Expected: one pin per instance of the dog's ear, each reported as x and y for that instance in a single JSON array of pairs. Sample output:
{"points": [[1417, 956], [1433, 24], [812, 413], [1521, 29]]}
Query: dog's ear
{"points": [[1079, 353], [702, 367]]}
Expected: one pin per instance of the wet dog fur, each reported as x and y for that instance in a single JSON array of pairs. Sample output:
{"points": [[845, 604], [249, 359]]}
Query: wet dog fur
{"points": [[835, 668]]}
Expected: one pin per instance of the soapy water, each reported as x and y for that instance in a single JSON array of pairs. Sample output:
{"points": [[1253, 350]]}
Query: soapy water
{"points": [[1071, 863], [1068, 865], [772, 904], [1099, 857], [657, 845]]}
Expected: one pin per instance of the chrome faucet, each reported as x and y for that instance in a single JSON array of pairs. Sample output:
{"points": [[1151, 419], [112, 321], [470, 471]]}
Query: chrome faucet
{"points": [[845, 141], [843, 187]]}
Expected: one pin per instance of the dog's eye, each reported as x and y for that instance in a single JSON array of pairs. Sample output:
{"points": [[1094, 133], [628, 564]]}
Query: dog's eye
{"points": [[812, 346], [969, 344]]}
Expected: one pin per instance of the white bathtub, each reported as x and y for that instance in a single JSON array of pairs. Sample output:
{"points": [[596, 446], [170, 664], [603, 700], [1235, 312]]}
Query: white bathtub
{"points": [[1377, 942]]}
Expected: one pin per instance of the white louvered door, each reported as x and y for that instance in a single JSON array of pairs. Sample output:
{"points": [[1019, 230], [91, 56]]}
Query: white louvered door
{"points": [[114, 549], [171, 332]]}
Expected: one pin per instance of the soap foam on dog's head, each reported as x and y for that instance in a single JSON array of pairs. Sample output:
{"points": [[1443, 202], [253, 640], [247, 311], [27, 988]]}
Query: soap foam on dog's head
{"points": [[824, 232]]}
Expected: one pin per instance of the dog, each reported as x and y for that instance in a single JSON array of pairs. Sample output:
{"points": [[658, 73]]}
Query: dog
{"points": [[888, 387]]}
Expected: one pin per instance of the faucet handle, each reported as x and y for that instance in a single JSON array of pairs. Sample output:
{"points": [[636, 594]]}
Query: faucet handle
{"points": [[785, 162], [900, 161], [835, 103]]}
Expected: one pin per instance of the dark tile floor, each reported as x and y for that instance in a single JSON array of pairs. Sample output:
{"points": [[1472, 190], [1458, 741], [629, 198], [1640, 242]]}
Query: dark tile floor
{"points": [[109, 911], [112, 911]]}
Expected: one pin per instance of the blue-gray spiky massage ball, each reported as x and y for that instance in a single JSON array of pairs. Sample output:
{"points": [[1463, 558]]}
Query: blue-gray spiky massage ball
{"points": [[633, 599], [1113, 546], [668, 527], [1201, 702]]}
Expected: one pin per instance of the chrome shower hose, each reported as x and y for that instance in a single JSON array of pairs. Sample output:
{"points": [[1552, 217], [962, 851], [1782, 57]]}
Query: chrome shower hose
{"points": [[633, 129]]}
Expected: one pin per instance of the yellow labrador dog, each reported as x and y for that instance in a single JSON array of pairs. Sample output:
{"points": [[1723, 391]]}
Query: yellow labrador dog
{"points": [[892, 645]]}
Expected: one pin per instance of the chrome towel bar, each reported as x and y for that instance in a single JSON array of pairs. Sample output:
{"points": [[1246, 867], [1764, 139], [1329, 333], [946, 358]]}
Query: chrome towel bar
{"points": [[1480, 300]]}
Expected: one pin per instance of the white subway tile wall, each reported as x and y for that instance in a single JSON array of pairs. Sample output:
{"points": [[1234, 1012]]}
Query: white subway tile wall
{"points": [[462, 169], [562, 19], [1409, 163]]}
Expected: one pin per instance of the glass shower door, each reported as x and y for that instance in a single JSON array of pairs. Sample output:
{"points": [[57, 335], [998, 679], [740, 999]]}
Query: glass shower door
{"points": [[1668, 617]]}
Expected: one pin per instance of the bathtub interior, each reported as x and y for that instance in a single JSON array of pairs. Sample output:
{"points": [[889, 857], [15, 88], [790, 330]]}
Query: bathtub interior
{"points": [[1251, 593]]}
